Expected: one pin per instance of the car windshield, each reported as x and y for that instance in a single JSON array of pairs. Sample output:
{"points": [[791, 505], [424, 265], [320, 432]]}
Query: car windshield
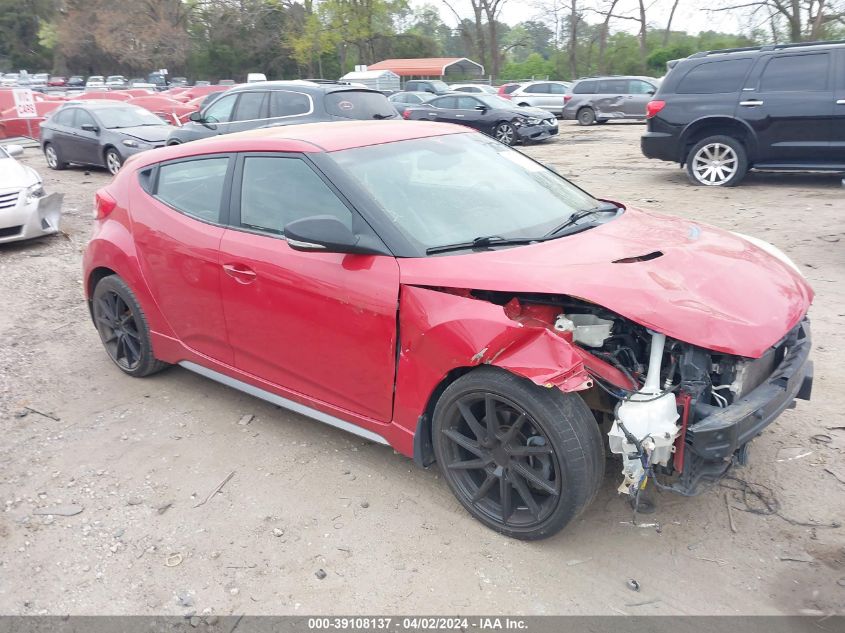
{"points": [[128, 116], [492, 101], [455, 188]]}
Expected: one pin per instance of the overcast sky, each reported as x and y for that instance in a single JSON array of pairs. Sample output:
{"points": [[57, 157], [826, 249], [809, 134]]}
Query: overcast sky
{"points": [[688, 17]]}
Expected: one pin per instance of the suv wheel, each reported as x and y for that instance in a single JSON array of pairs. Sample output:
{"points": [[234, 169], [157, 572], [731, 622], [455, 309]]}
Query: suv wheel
{"points": [[523, 460], [586, 116], [717, 161]]}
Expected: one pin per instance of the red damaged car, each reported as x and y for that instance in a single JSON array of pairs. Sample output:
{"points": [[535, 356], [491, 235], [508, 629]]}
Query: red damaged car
{"points": [[427, 287]]}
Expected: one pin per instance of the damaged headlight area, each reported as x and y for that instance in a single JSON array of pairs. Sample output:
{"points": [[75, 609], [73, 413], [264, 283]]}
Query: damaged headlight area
{"points": [[34, 192], [676, 413]]}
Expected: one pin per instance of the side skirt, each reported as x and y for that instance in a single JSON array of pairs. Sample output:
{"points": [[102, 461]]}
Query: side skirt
{"points": [[283, 402]]}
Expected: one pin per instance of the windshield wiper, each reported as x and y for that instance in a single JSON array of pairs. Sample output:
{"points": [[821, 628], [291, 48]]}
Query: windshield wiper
{"points": [[605, 207], [481, 242], [382, 117]]}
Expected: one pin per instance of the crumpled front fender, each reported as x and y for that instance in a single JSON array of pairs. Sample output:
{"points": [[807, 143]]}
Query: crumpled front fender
{"points": [[440, 332]]}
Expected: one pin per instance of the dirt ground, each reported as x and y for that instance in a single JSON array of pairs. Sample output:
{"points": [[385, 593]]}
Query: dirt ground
{"points": [[315, 520]]}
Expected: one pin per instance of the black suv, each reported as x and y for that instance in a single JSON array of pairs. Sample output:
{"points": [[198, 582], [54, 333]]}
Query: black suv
{"points": [[271, 103], [776, 107]]}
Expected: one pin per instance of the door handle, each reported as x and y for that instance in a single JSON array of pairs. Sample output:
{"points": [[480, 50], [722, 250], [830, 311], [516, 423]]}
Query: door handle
{"points": [[459, 115], [751, 103], [840, 102], [240, 273]]}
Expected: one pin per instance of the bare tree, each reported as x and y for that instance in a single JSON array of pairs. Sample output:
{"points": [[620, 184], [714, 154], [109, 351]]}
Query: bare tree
{"points": [[669, 23], [804, 19], [604, 31]]}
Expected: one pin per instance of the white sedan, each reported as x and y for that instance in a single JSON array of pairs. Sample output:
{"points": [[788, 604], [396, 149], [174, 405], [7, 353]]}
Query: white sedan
{"points": [[25, 210]]}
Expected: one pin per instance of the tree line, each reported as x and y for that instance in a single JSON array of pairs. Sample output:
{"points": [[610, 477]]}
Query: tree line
{"points": [[285, 39]]}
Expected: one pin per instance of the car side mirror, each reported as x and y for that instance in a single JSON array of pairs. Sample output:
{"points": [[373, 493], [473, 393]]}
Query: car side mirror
{"points": [[196, 116], [90, 127], [650, 92], [322, 233], [482, 108], [14, 150]]}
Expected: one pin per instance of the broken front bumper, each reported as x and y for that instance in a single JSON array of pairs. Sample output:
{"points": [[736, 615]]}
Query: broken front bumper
{"points": [[717, 437]]}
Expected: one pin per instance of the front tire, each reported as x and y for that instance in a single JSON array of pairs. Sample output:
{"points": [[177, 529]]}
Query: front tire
{"points": [[505, 133], [113, 161], [524, 460], [586, 116], [717, 161], [123, 328]]}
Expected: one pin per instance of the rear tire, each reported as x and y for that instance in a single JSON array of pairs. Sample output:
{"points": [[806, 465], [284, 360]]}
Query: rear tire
{"points": [[717, 161], [123, 328], [586, 116], [53, 158], [531, 470]]}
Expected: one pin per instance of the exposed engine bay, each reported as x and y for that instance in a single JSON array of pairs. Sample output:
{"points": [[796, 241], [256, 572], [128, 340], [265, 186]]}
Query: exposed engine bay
{"points": [[667, 385]]}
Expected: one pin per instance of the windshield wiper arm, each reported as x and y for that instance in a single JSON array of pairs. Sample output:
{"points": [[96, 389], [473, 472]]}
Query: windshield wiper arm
{"points": [[481, 242], [605, 207]]}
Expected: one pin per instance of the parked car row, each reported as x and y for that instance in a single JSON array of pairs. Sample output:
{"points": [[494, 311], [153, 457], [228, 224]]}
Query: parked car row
{"points": [[589, 100], [153, 81]]}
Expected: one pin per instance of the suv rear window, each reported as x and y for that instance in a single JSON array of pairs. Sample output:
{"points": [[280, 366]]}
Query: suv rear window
{"points": [[715, 77], [351, 104], [585, 88]]}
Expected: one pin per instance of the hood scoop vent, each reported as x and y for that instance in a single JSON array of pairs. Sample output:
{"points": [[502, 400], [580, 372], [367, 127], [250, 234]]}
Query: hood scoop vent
{"points": [[639, 258]]}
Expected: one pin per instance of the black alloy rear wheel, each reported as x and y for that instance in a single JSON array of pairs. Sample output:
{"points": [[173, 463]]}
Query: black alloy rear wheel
{"points": [[123, 328]]}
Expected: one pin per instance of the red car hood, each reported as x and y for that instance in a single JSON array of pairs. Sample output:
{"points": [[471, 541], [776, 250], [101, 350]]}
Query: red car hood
{"points": [[709, 287]]}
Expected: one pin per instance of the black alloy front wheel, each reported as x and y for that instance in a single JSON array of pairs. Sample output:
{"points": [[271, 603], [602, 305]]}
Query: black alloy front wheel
{"points": [[522, 459]]}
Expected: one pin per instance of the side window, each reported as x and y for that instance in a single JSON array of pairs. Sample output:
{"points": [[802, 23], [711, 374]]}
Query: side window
{"points": [[613, 86], [82, 118], [715, 77], [250, 106], [446, 102], [276, 191], [538, 89], [639, 87], [585, 88], [220, 111], [194, 187], [557, 89], [468, 103], [65, 117], [796, 73], [284, 103]]}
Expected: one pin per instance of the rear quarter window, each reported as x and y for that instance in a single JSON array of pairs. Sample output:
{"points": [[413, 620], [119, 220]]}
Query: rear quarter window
{"points": [[585, 88], [362, 106], [716, 77], [193, 187]]}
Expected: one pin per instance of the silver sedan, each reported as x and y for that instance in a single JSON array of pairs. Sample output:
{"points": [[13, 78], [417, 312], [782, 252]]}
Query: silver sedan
{"points": [[25, 210]]}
